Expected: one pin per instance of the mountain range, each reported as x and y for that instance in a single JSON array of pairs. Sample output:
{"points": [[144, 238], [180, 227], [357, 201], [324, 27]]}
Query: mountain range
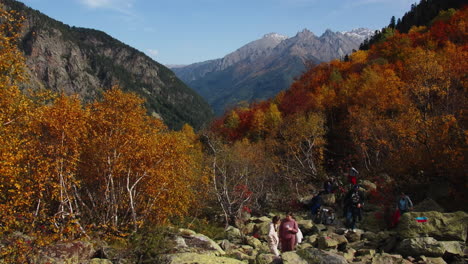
{"points": [[264, 67], [85, 62]]}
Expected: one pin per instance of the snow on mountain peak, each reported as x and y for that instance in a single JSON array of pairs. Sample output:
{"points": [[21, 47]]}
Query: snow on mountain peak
{"points": [[275, 36], [359, 33]]}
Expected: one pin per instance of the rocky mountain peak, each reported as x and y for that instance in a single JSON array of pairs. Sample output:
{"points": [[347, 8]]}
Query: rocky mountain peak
{"points": [[305, 33], [328, 33]]}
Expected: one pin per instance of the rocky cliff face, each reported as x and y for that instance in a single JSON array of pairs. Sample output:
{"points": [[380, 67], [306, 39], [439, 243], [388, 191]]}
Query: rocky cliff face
{"points": [[262, 68], [85, 61]]}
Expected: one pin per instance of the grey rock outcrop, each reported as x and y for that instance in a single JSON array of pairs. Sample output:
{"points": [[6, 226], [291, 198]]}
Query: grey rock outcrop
{"points": [[441, 226], [83, 61]]}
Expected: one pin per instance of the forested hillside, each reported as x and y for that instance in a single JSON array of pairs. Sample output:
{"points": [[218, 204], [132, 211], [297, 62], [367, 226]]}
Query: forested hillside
{"points": [[398, 108]]}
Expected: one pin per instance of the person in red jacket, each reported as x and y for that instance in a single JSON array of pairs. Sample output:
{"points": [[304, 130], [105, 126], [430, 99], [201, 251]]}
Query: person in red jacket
{"points": [[287, 233]]}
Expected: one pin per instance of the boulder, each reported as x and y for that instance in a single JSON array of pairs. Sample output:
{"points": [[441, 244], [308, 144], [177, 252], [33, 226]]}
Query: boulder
{"points": [[67, 252], [441, 226], [306, 226], [453, 247], [371, 236], [349, 254], [239, 255], [267, 259], [365, 252], [311, 239], [226, 244], [368, 185], [264, 219], [100, 261], [248, 229], [317, 256], [354, 236], [253, 242], [291, 257], [233, 234], [261, 229], [183, 258], [433, 260], [189, 241], [415, 247], [329, 199], [332, 241], [303, 245], [428, 205], [419, 246], [385, 258]]}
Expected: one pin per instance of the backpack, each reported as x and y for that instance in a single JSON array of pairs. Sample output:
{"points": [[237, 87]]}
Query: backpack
{"points": [[355, 198]]}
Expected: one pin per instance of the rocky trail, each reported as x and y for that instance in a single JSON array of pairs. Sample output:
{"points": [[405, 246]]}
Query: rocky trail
{"points": [[439, 239]]}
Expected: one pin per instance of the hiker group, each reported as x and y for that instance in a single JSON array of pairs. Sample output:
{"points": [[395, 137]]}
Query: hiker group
{"points": [[286, 233], [352, 198]]}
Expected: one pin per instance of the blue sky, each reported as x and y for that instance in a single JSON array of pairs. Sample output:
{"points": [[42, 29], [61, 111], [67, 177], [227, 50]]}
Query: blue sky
{"points": [[188, 31]]}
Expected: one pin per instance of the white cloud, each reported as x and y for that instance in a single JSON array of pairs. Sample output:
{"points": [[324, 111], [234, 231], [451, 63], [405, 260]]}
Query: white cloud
{"points": [[123, 6], [153, 53]]}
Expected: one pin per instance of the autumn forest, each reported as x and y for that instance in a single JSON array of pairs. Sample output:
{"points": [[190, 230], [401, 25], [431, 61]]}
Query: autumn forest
{"points": [[71, 170]]}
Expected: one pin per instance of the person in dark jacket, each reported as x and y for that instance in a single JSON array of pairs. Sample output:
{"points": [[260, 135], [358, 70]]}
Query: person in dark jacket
{"points": [[353, 203], [316, 203], [404, 203]]}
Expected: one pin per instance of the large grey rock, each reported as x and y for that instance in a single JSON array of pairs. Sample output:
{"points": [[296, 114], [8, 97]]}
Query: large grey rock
{"points": [[226, 244], [66, 252], [430, 247], [198, 243], [317, 256], [385, 258], [187, 258], [415, 247], [453, 247], [441, 226]]}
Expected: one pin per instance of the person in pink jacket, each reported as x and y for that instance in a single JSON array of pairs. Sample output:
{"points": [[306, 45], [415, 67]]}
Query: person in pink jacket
{"points": [[287, 233]]}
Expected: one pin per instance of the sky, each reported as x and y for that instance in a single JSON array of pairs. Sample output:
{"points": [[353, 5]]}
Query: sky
{"points": [[187, 31]]}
